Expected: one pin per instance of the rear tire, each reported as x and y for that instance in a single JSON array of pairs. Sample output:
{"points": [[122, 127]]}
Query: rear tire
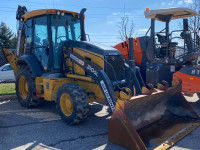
{"points": [[71, 103], [25, 88]]}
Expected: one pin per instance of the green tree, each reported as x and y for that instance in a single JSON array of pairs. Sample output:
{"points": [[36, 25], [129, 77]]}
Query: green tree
{"points": [[7, 38], [13, 42]]}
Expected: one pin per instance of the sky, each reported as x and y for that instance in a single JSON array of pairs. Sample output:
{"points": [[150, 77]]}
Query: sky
{"points": [[102, 16]]}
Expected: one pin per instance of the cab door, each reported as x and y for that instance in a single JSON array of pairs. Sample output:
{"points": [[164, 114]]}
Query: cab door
{"points": [[41, 43]]}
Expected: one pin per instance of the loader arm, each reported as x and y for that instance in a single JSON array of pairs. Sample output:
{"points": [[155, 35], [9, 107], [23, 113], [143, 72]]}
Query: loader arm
{"points": [[11, 59], [98, 75]]}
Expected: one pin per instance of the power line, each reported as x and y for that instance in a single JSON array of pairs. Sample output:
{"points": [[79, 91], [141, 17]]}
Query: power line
{"points": [[104, 42], [75, 5], [8, 7], [111, 16], [117, 35], [99, 15], [102, 35], [7, 11], [88, 16]]}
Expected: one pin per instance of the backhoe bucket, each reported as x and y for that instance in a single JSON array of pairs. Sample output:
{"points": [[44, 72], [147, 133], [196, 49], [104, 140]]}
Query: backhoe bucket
{"points": [[154, 121]]}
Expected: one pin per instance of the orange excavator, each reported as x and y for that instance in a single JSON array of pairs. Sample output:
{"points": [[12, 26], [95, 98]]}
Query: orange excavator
{"points": [[159, 56]]}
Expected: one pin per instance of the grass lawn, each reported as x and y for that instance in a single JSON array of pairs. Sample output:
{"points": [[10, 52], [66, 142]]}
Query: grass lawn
{"points": [[7, 88]]}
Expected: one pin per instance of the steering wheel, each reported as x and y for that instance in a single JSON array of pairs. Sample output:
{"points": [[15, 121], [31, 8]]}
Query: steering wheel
{"points": [[38, 43], [61, 37]]}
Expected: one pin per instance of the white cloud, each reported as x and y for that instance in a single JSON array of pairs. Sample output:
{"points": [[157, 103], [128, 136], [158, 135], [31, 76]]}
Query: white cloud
{"points": [[163, 3], [142, 30], [180, 2], [110, 22], [116, 13], [188, 1], [171, 3]]}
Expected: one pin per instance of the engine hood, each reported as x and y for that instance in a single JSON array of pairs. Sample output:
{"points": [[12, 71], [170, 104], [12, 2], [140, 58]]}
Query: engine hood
{"points": [[94, 47]]}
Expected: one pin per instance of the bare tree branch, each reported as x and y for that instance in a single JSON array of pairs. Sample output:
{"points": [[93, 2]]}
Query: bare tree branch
{"points": [[126, 28], [194, 21]]}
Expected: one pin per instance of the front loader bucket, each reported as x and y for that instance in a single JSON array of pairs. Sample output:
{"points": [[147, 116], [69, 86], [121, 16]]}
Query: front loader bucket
{"points": [[154, 121]]}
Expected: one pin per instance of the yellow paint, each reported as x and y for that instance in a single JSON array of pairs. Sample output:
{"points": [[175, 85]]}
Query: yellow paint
{"points": [[66, 104], [93, 90], [78, 70], [23, 87], [127, 95], [98, 59], [119, 104], [11, 59], [94, 59], [86, 54], [39, 84], [69, 64], [84, 78], [51, 87], [39, 12]]}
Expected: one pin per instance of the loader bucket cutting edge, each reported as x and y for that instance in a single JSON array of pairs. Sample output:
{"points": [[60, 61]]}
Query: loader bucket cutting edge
{"points": [[154, 121]]}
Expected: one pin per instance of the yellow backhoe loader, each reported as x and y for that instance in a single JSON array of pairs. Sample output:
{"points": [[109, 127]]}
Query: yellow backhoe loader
{"points": [[54, 62]]}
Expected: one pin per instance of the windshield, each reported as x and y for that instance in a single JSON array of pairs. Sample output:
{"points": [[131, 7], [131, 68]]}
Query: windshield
{"points": [[63, 28]]}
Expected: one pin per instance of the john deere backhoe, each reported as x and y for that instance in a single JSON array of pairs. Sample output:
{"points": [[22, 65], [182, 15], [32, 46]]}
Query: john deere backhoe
{"points": [[54, 62]]}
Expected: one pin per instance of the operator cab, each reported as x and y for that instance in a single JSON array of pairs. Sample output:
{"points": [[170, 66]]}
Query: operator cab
{"points": [[163, 43], [43, 32]]}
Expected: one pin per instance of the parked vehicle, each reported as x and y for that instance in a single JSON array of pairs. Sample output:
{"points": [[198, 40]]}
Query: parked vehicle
{"points": [[6, 73]]}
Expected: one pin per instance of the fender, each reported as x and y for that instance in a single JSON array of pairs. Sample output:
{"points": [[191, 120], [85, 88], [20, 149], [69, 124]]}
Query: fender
{"points": [[32, 63]]}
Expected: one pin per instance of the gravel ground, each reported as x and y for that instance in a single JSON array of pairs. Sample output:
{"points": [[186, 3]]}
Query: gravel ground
{"points": [[42, 128]]}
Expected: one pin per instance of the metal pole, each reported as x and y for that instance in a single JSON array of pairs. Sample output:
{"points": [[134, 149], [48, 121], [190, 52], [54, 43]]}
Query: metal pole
{"points": [[131, 53], [167, 35]]}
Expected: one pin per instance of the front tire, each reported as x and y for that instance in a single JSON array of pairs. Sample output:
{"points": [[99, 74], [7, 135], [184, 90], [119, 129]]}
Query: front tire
{"points": [[25, 88], [71, 103]]}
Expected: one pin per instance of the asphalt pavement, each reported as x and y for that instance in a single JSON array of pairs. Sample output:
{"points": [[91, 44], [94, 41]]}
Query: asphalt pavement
{"points": [[42, 128]]}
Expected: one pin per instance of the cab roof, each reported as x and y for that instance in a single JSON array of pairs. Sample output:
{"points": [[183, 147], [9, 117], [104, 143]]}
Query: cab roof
{"points": [[174, 13], [39, 12]]}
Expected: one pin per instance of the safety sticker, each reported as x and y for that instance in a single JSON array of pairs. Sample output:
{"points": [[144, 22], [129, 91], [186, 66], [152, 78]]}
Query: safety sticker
{"points": [[77, 59], [107, 95]]}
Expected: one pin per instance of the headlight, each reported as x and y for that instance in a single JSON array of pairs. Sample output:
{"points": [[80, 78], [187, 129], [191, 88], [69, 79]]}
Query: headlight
{"points": [[58, 13], [62, 14]]}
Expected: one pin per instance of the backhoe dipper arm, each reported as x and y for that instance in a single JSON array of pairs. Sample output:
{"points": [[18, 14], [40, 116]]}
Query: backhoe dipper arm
{"points": [[11, 59], [98, 75]]}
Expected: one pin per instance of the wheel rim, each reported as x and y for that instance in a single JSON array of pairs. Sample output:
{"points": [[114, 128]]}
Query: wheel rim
{"points": [[66, 104], [23, 87]]}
